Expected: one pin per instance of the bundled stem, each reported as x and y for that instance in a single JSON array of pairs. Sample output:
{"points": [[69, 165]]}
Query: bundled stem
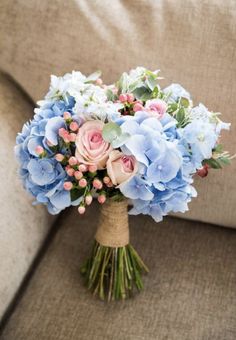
{"points": [[114, 268], [114, 273]]}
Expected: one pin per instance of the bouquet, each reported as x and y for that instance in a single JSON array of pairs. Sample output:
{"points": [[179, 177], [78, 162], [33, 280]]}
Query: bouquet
{"points": [[127, 143]]}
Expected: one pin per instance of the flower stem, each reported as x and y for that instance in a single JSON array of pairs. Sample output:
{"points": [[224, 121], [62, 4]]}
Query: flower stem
{"points": [[114, 273]]}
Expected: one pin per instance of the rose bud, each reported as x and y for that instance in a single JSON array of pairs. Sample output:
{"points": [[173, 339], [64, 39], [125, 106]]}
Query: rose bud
{"points": [[121, 167]]}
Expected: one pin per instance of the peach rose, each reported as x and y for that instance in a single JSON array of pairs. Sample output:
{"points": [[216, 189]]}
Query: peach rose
{"points": [[91, 148], [121, 167]]}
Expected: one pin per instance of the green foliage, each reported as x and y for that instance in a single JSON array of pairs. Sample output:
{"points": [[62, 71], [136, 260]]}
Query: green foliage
{"points": [[76, 193], [112, 133], [110, 95]]}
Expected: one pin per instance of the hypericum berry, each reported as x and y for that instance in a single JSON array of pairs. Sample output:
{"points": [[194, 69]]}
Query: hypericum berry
{"points": [[130, 97], [102, 198], [81, 209], [74, 126], [99, 82], [72, 137], [64, 134], [203, 172], [78, 175], [83, 168], [68, 186], [67, 115], [106, 179], [138, 107], [39, 150], [97, 184], [70, 172], [88, 199], [92, 168], [61, 132], [123, 97], [83, 182], [72, 161], [59, 157]]}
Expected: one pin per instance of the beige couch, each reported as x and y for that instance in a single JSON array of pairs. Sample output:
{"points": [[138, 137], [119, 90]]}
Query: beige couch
{"points": [[190, 292]]}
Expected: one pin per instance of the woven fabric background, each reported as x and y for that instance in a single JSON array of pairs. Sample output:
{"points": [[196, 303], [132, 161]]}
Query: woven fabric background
{"points": [[23, 227], [189, 292]]}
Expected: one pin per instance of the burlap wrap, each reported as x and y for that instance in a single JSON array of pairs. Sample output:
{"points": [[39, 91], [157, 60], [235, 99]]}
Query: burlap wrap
{"points": [[113, 226]]}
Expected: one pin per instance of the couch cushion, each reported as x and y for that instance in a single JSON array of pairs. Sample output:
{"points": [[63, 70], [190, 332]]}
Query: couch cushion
{"points": [[189, 293], [192, 42], [22, 226]]}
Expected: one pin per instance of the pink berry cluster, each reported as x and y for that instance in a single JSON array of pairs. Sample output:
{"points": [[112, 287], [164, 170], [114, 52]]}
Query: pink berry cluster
{"points": [[86, 179], [130, 104]]}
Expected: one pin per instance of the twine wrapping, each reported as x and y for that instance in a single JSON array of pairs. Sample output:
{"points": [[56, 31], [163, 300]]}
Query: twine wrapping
{"points": [[113, 226]]}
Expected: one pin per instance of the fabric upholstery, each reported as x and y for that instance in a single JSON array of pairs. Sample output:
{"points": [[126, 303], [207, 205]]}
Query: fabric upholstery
{"points": [[192, 42], [189, 292], [22, 226]]}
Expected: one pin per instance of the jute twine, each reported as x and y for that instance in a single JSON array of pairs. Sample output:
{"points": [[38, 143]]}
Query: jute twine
{"points": [[113, 226]]}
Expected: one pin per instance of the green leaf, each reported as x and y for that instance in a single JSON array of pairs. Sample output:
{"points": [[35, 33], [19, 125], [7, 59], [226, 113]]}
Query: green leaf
{"points": [[180, 115], [224, 160], [213, 163], [120, 140], [122, 83], [172, 107], [93, 77], [76, 193], [111, 131], [218, 148], [151, 82], [136, 84], [142, 93], [184, 102], [110, 95]]}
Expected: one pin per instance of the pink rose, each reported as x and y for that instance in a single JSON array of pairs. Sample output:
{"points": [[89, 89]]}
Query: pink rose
{"points": [[156, 107], [91, 148], [121, 167]]}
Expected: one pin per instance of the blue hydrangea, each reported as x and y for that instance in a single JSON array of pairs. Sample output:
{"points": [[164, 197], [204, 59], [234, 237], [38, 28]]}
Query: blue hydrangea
{"points": [[163, 183], [44, 178]]}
